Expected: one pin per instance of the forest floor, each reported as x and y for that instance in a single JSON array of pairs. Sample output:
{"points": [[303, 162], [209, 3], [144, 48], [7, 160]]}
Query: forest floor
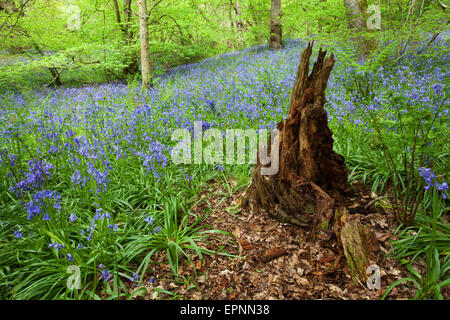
{"points": [[298, 268]]}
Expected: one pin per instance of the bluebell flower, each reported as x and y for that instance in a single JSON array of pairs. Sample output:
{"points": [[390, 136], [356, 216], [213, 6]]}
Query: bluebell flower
{"points": [[104, 272], [56, 245], [17, 234], [69, 257], [135, 279], [113, 227], [39, 171], [149, 219], [76, 177], [443, 186], [39, 203], [428, 176], [72, 217], [157, 230]]}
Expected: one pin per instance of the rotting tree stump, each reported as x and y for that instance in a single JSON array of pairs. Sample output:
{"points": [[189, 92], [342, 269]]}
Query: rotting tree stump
{"points": [[311, 176], [311, 183]]}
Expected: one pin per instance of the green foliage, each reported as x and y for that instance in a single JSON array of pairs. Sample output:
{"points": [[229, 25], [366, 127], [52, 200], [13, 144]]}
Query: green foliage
{"points": [[184, 32], [403, 133], [429, 286]]}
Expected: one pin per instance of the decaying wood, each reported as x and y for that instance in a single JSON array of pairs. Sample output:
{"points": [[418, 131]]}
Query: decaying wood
{"points": [[311, 184], [311, 177], [358, 242]]}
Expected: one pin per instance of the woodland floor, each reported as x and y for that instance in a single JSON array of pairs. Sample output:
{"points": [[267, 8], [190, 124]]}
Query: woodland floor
{"points": [[304, 270]]}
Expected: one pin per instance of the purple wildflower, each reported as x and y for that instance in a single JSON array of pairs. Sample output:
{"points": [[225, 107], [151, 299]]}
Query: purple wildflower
{"points": [[17, 234], [72, 217]]}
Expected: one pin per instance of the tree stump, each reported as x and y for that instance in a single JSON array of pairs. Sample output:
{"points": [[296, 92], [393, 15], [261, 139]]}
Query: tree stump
{"points": [[311, 176], [311, 185]]}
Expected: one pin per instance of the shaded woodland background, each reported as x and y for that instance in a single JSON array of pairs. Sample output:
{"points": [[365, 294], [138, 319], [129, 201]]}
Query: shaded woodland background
{"points": [[103, 44]]}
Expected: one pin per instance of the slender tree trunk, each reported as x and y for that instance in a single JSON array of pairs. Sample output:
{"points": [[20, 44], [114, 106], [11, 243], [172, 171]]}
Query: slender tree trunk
{"points": [[127, 20], [123, 19], [232, 29], [239, 23], [56, 76], [321, 18], [275, 25], [54, 71], [118, 17], [357, 15], [145, 53]]}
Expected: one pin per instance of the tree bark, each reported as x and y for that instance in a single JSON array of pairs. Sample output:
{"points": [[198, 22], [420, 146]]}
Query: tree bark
{"points": [[127, 20], [311, 185], [232, 31], [357, 14], [312, 178], [56, 76], [275, 25], [359, 243], [145, 53]]}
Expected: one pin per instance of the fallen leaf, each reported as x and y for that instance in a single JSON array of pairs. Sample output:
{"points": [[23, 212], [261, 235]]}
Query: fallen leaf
{"points": [[384, 236], [255, 227], [327, 259], [245, 245], [237, 232], [273, 254], [353, 206], [271, 227]]}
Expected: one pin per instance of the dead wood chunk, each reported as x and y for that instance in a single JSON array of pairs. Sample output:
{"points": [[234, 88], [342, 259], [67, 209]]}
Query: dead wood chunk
{"points": [[356, 247], [245, 245], [311, 176], [370, 240], [273, 254]]}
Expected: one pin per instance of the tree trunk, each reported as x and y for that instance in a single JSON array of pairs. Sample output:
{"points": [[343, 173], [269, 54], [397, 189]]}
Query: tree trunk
{"points": [[56, 76], [357, 14], [145, 53], [232, 31], [239, 23], [124, 22], [311, 176], [275, 25], [127, 20]]}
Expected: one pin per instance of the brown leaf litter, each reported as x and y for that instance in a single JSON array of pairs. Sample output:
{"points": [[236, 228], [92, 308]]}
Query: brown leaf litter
{"points": [[273, 260]]}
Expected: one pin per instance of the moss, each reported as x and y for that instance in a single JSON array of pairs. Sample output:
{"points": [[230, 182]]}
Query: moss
{"points": [[324, 225], [354, 249], [309, 209]]}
